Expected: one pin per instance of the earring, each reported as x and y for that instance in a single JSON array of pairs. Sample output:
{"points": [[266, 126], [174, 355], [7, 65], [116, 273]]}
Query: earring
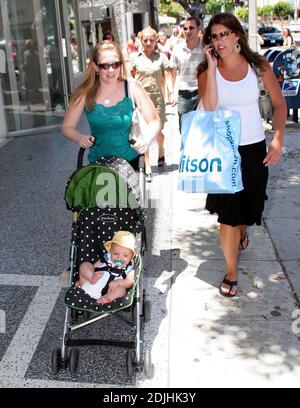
{"points": [[97, 74], [237, 48]]}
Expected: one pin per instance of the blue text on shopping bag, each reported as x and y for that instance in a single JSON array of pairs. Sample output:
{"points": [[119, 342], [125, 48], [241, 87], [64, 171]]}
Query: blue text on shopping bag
{"points": [[210, 161]]}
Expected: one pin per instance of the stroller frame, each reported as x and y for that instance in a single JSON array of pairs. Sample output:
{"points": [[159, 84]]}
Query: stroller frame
{"points": [[138, 358]]}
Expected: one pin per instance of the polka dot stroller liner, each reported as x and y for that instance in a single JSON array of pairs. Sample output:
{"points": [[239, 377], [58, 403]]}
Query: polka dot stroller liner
{"points": [[102, 211]]}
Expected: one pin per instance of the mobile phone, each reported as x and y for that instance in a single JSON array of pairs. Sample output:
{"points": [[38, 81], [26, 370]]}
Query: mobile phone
{"points": [[132, 140], [215, 53]]}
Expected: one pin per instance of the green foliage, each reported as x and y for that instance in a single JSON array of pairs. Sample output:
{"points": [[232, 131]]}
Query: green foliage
{"points": [[215, 6], [265, 11], [170, 8], [283, 9], [242, 13]]}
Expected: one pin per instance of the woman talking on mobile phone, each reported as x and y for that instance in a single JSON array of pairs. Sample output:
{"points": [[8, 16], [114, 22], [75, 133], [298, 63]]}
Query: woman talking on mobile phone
{"points": [[230, 82]]}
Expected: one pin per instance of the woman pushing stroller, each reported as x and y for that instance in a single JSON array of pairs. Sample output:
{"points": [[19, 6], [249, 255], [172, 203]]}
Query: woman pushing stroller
{"points": [[103, 96]]}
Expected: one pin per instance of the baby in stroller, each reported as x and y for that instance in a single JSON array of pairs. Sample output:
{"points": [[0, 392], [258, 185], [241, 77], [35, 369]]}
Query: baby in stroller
{"points": [[108, 280]]}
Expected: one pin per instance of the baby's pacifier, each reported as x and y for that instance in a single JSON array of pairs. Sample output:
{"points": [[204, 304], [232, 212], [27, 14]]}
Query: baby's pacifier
{"points": [[119, 262]]}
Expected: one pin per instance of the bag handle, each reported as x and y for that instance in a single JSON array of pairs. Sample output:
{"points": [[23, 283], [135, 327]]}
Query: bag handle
{"points": [[132, 94], [260, 81]]}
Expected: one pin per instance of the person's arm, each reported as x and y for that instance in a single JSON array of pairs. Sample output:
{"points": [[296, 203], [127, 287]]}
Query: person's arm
{"points": [[170, 85], [279, 116], [149, 113], [168, 77], [124, 283], [70, 123], [207, 83], [173, 67]]}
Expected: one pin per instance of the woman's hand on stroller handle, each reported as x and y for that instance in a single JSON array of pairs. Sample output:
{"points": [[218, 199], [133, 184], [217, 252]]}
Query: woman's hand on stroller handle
{"points": [[86, 141], [140, 146]]}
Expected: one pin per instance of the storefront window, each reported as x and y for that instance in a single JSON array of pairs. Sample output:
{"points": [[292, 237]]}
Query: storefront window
{"points": [[33, 91]]}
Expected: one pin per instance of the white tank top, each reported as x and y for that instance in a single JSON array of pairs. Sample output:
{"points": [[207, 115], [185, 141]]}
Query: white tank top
{"points": [[242, 97]]}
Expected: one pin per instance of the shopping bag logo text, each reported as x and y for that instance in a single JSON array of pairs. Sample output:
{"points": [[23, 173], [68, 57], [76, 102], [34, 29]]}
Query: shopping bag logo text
{"points": [[236, 159], [191, 166]]}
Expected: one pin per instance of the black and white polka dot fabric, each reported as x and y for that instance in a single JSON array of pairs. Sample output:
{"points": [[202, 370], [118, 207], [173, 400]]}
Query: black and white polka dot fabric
{"points": [[97, 225]]}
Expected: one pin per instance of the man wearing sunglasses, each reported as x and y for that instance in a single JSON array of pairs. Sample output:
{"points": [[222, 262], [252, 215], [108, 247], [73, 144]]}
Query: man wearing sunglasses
{"points": [[184, 63]]}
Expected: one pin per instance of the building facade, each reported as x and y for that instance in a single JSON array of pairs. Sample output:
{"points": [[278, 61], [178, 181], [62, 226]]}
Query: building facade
{"points": [[44, 48]]}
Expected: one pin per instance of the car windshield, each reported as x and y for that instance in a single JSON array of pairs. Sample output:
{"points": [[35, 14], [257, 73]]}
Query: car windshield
{"points": [[266, 30]]}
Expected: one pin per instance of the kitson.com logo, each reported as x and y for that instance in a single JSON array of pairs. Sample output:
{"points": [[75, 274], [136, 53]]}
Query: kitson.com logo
{"points": [[236, 159], [214, 164], [204, 165]]}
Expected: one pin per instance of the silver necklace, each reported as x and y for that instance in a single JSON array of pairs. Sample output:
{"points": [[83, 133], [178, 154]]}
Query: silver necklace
{"points": [[106, 101]]}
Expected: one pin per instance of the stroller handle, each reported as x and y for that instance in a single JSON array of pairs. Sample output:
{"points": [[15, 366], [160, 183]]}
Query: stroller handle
{"points": [[81, 156]]}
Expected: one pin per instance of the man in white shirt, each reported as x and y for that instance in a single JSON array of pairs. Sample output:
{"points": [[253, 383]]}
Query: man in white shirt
{"points": [[185, 59]]}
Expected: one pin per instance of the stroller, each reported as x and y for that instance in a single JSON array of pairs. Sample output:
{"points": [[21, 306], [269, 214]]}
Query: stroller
{"points": [[105, 197]]}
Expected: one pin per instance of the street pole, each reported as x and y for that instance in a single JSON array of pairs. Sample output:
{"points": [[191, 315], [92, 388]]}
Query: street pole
{"points": [[222, 6], [296, 11], [252, 25]]}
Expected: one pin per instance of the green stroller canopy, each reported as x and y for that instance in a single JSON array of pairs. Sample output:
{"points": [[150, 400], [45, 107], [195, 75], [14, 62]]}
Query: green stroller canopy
{"points": [[110, 181]]}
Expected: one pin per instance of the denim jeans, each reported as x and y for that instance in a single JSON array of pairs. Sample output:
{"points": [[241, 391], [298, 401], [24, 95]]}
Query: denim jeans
{"points": [[186, 105]]}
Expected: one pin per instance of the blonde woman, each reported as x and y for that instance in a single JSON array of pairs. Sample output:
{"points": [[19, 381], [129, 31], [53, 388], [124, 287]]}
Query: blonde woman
{"points": [[104, 99], [151, 66]]}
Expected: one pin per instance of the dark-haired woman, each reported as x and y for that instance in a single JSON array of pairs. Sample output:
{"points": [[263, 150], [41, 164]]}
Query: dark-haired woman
{"points": [[227, 80], [288, 40]]}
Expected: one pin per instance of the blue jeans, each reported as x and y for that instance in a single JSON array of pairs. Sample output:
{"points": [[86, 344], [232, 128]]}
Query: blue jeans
{"points": [[185, 105]]}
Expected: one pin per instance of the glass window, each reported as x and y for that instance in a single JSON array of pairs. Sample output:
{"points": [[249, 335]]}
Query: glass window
{"points": [[33, 90]]}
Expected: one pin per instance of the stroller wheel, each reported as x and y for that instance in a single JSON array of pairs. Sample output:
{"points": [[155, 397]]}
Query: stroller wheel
{"points": [[74, 360], [147, 311], [130, 363], [55, 363], [148, 366]]}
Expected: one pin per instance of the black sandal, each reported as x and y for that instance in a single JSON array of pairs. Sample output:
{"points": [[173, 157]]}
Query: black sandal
{"points": [[244, 242], [231, 284]]}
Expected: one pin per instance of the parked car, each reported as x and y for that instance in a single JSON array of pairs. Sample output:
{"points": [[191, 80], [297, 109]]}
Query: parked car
{"points": [[271, 35]]}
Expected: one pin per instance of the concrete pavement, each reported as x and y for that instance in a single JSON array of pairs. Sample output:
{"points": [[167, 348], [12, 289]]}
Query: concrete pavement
{"points": [[197, 338], [250, 340]]}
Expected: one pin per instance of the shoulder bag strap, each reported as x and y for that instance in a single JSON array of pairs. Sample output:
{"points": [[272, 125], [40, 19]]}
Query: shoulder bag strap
{"points": [[132, 95], [260, 81]]}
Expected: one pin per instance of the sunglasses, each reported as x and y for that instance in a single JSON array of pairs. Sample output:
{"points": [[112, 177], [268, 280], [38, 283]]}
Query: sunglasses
{"points": [[189, 28], [106, 66], [220, 36]]}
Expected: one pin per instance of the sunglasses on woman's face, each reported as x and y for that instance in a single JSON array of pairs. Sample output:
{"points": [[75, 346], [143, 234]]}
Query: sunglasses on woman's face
{"points": [[220, 36], [106, 66]]}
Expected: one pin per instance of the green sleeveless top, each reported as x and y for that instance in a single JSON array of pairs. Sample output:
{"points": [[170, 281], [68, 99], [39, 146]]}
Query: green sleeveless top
{"points": [[110, 125]]}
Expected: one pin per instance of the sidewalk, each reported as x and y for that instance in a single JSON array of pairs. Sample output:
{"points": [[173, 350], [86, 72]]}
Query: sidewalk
{"points": [[246, 341]]}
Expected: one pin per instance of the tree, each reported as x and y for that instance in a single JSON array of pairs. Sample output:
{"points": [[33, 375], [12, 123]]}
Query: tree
{"points": [[170, 8], [266, 12], [283, 10], [242, 13], [191, 6]]}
